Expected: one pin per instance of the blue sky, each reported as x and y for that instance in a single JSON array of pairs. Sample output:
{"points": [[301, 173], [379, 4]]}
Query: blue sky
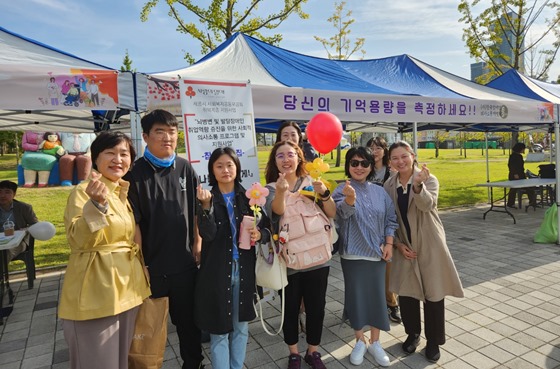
{"points": [[101, 31]]}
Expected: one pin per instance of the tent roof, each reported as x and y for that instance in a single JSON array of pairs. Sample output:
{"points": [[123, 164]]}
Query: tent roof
{"points": [[515, 82], [18, 50], [281, 77], [26, 66], [245, 58]]}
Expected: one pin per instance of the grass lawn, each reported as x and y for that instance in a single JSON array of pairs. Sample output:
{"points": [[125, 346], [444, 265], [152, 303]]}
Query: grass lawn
{"points": [[457, 176]]}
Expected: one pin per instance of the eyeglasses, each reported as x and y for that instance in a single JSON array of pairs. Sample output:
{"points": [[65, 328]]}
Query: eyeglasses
{"points": [[162, 135], [289, 155], [363, 163]]}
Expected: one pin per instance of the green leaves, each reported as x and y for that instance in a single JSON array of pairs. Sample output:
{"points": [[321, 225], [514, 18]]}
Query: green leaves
{"points": [[213, 24]]}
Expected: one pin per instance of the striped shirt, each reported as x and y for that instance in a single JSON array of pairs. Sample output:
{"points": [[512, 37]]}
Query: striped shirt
{"points": [[363, 227]]}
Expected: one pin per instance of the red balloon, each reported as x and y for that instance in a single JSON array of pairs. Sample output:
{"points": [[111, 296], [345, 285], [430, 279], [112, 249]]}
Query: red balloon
{"points": [[324, 132]]}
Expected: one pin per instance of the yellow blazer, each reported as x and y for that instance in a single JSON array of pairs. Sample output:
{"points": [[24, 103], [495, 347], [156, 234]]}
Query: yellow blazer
{"points": [[105, 275]]}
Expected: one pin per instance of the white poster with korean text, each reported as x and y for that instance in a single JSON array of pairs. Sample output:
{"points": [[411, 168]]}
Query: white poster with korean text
{"points": [[219, 114]]}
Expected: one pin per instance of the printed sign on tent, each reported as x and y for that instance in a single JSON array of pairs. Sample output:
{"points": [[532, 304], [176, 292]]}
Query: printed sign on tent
{"points": [[219, 114]]}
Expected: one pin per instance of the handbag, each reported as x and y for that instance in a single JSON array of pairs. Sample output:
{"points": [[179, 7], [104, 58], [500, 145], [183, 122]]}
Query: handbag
{"points": [[270, 269], [150, 335], [270, 272]]}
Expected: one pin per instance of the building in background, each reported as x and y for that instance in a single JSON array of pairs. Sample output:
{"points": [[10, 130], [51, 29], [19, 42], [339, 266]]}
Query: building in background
{"points": [[504, 48]]}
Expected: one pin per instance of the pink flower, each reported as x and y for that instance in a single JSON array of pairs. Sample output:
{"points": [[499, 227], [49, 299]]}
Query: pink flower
{"points": [[257, 194]]}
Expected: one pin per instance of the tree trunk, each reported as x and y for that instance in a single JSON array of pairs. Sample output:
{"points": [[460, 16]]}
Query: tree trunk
{"points": [[338, 154]]}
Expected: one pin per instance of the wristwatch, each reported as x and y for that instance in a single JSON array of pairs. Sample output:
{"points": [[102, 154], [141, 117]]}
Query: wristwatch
{"points": [[326, 194]]}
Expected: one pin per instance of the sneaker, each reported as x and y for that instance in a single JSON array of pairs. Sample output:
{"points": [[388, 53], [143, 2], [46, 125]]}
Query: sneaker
{"points": [[379, 354], [314, 361], [411, 343], [294, 361], [358, 352], [394, 314]]}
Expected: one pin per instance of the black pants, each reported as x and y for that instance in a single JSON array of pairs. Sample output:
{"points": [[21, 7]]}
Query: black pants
{"points": [[312, 287], [530, 194], [180, 289], [434, 318]]}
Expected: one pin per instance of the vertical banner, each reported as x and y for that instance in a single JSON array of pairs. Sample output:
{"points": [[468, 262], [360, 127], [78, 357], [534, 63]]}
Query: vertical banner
{"points": [[219, 114]]}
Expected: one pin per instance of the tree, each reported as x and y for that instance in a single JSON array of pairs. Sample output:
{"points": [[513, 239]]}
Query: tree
{"points": [[340, 46], [219, 21], [502, 34], [127, 63], [439, 138]]}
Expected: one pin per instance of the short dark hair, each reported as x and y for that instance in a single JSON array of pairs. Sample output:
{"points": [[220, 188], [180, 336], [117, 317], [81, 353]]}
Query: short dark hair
{"points": [[158, 116], [47, 134], [518, 147], [289, 123], [361, 152], [107, 140], [215, 155], [8, 185]]}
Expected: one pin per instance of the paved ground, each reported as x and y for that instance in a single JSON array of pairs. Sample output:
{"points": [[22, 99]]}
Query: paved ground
{"points": [[510, 317]]}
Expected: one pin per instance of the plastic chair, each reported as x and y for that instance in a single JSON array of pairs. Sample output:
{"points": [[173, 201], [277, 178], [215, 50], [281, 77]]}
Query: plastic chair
{"points": [[28, 257]]}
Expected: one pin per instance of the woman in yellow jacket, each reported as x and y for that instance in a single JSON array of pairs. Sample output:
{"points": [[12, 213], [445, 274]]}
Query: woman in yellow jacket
{"points": [[105, 281]]}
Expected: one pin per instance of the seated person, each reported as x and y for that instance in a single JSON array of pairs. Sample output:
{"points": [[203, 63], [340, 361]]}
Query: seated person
{"points": [[77, 155], [35, 163], [516, 166], [20, 213]]}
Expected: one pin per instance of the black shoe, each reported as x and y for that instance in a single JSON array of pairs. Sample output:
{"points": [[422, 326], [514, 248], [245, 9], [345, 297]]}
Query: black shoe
{"points": [[411, 343], [432, 352], [512, 206], [394, 314]]}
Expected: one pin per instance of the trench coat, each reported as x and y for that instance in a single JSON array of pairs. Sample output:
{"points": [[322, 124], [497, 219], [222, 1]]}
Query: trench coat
{"points": [[213, 292], [433, 275]]}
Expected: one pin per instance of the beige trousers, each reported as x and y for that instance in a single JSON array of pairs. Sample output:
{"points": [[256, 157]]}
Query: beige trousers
{"points": [[100, 343]]}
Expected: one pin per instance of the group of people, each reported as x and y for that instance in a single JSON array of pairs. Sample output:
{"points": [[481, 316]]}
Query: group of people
{"points": [[150, 229]]}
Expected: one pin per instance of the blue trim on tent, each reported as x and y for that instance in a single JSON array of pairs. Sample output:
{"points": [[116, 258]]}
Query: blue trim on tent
{"points": [[511, 82], [399, 73], [51, 48], [298, 70]]}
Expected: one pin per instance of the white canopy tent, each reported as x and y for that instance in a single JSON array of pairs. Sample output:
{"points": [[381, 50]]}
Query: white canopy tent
{"points": [[35, 80], [373, 93]]}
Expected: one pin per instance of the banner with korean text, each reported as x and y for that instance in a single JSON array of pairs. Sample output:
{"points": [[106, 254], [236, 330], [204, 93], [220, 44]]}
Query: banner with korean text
{"points": [[219, 114], [302, 104]]}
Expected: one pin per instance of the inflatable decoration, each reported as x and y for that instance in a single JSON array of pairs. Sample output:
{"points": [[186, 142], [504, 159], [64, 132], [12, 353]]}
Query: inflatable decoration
{"points": [[324, 132], [42, 231]]}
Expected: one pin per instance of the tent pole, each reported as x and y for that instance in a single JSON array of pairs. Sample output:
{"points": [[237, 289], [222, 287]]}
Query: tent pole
{"points": [[136, 133], [487, 161], [487, 167], [557, 153], [415, 138]]}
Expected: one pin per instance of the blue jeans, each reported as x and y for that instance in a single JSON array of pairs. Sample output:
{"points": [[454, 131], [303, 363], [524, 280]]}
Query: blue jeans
{"points": [[228, 350]]}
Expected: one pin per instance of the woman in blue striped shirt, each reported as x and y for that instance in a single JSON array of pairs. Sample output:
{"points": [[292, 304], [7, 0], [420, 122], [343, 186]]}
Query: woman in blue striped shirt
{"points": [[367, 220]]}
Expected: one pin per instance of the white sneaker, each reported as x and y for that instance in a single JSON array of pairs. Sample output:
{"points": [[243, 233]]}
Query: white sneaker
{"points": [[379, 354], [357, 355]]}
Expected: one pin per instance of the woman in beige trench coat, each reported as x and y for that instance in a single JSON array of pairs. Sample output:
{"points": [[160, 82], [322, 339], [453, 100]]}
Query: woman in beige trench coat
{"points": [[423, 269]]}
